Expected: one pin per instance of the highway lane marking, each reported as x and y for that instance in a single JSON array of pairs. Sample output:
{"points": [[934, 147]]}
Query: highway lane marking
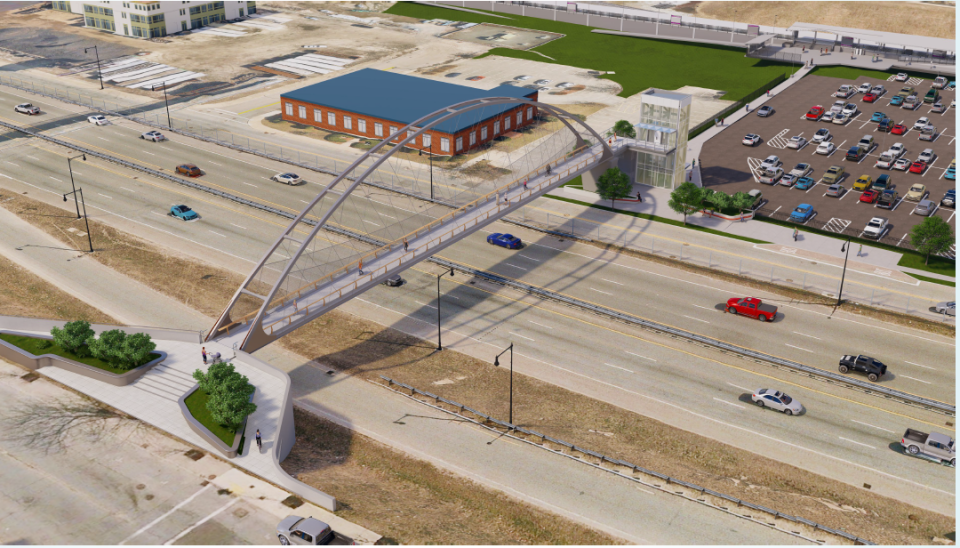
{"points": [[639, 356], [127, 189], [164, 516], [730, 403], [611, 281], [529, 258], [540, 324], [618, 367], [54, 178], [150, 153], [451, 296], [217, 233], [740, 387], [102, 139], [703, 307], [598, 291], [798, 348], [872, 426], [214, 163], [858, 443], [13, 164], [212, 515], [425, 304], [371, 222], [924, 366], [238, 226], [515, 266], [389, 216], [913, 379], [258, 108], [697, 319], [805, 335], [254, 186], [105, 196], [522, 337], [33, 157]]}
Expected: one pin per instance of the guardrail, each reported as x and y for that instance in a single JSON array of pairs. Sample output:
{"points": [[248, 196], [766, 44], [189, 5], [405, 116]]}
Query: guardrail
{"points": [[615, 466]]}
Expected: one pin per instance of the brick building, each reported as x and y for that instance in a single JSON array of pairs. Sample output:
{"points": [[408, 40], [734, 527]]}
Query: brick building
{"points": [[374, 104]]}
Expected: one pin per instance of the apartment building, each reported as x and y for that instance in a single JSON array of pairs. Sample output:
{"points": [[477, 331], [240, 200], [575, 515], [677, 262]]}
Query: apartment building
{"points": [[154, 19]]}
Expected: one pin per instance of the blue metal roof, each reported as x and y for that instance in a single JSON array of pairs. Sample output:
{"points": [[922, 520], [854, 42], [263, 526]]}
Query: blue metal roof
{"points": [[402, 98]]}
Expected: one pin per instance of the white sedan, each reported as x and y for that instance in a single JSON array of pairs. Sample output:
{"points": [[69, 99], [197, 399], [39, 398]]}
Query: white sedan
{"points": [[922, 123], [849, 110], [926, 156], [286, 178], [822, 134], [770, 162], [826, 148], [776, 399], [154, 136], [901, 77], [26, 108], [841, 119], [751, 139], [796, 142], [98, 119], [898, 149], [902, 164]]}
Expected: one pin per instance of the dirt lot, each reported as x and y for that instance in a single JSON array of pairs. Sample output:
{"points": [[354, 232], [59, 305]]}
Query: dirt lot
{"points": [[729, 166]]}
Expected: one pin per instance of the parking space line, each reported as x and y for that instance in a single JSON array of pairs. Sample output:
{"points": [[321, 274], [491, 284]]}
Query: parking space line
{"points": [[730, 403], [805, 335], [697, 319], [923, 366], [213, 514], [519, 267], [540, 324], [740, 387], [611, 281], [164, 516], [597, 290]]}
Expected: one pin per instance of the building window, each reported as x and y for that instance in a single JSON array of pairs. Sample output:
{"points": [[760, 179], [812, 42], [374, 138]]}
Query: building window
{"points": [[361, 125], [123, 14], [288, 105], [473, 139], [459, 143], [519, 118], [529, 113], [378, 129], [331, 119], [302, 110], [410, 133], [506, 123], [483, 133], [183, 12], [496, 127], [125, 31], [347, 122], [317, 117], [393, 129], [444, 144], [426, 140]]}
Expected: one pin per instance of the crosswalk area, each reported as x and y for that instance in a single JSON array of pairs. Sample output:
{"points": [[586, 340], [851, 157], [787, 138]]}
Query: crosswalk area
{"points": [[836, 225], [779, 140]]}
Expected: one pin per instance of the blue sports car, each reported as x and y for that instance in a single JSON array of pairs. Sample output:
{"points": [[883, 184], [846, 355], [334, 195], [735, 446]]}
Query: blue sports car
{"points": [[802, 214], [508, 241], [804, 183], [878, 117], [896, 101], [183, 212]]}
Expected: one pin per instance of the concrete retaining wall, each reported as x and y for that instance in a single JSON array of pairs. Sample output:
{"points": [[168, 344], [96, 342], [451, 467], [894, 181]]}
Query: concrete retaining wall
{"points": [[13, 323], [202, 431]]}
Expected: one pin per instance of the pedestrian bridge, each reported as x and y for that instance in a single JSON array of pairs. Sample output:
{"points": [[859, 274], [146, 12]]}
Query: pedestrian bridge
{"points": [[295, 299]]}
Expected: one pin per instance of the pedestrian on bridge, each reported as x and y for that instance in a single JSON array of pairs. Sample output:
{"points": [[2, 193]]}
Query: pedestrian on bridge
{"points": [[548, 170], [525, 184], [203, 351], [406, 244], [360, 267]]}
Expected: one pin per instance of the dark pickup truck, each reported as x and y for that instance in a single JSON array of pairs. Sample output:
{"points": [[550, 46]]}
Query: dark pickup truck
{"points": [[749, 306], [865, 364]]}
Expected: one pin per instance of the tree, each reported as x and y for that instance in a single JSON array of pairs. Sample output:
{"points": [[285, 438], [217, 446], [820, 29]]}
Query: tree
{"points": [[73, 337], [217, 374], [932, 236], [742, 201], [229, 402], [686, 199], [108, 346], [624, 128], [136, 349], [614, 184], [720, 200]]}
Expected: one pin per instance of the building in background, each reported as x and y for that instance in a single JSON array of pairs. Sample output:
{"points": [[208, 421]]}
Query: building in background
{"points": [[375, 103], [155, 19]]}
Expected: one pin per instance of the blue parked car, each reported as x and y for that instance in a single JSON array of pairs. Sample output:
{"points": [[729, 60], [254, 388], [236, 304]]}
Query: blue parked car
{"points": [[804, 183], [878, 117], [802, 214], [951, 172], [896, 101], [508, 241], [183, 212]]}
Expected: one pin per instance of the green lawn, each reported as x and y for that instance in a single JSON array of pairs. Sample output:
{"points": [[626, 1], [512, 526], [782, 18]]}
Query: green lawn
{"points": [[853, 73], [197, 404], [639, 63], [34, 346], [938, 265], [931, 280]]}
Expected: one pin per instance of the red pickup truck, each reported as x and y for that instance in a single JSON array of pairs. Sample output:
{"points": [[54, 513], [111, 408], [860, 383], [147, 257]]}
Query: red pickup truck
{"points": [[749, 306]]}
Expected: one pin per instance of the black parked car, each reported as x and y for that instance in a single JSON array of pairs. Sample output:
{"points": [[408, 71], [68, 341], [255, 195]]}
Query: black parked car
{"points": [[764, 111], [865, 364]]}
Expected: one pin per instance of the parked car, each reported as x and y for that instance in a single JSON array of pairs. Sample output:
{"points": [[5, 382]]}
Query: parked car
{"points": [[26, 108], [878, 116], [190, 170], [870, 196], [154, 136], [896, 100], [875, 227], [928, 133], [901, 77], [888, 199], [827, 116], [927, 155], [835, 191], [934, 445], [863, 182], [918, 167], [864, 87], [949, 308], [951, 172], [826, 148], [939, 82], [938, 108], [863, 364], [897, 149], [796, 142], [911, 102], [833, 175], [304, 531], [870, 97], [543, 89], [885, 125], [906, 91], [764, 111], [916, 193], [777, 400], [931, 96], [845, 91], [822, 134], [542, 82], [804, 183], [393, 281], [751, 139], [522, 78], [183, 212], [508, 241], [898, 129], [802, 213], [801, 170], [815, 113], [771, 176], [752, 307], [878, 90], [841, 119], [565, 85], [455, 74], [883, 182], [886, 160], [849, 109], [921, 123], [97, 119], [287, 178], [770, 162], [925, 208], [949, 199], [866, 142], [837, 106], [855, 153], [902, 164]]}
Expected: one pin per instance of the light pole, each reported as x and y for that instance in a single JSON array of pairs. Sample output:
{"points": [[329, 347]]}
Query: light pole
{"points": [[87, 222], [496, 363], [431, 166], [846, 247], [154, 88], [99, 72], [70, 167], [439, 342], [733, 31]]}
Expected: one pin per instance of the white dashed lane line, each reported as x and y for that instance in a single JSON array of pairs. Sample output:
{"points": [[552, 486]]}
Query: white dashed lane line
{"points": [[639, 356], [740, 387], [598, 291], [540, 324], [923, 366], [913, 379], [872, 426], [805, 335], [697, 319], [218, 234], [857, 442], [618, 367], [798, 348], [729, 403], [105, 196]]}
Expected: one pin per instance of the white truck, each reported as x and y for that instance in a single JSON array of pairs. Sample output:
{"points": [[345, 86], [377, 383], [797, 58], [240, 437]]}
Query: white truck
{"points": [[845, 91], [886, 160], [933, 445]]}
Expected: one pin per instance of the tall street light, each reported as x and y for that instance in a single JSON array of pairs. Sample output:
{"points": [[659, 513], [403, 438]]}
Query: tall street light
{"points": [[496, 363], [70, 167], [431, 166], [99, 72], [164, 85], [450, 272], [87, 222], [846, 247]]}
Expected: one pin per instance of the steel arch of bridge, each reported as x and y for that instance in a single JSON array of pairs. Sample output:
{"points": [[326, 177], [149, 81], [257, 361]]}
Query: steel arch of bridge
{"points": [[255, 331]]}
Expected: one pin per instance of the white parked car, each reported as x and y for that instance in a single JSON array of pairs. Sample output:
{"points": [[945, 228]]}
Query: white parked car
{"points": [[898, 150], [837, 106], [850, 109], [901, 77], [826, 148], [564, 85], [770, 162], [801, 170], [822, 134], [154, 136], [876, 227], [751, 139], [921, 123], [828, 116], [775, 399], [886, 160], [926, 156], [26, 108], [864, 87], [287, 178], [841, 119], [542, 82], [98, 119], [796, 142], [788, 179], [902, 164]]}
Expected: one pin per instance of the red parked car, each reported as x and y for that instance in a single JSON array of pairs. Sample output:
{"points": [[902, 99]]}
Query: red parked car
{"points": [[918, 167], [869, 98], [898, 129], [815, 113], [869, 196], [752, 307]]}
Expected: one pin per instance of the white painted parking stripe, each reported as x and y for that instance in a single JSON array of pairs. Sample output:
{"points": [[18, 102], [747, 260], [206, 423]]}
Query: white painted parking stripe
{"points": [[598, 291], [798, 348], [618, 367], [105, 196], [872, 426], [729, 403], [639, 356], [164, 516], [255, 186], [529, 258], [186, 531], [238, 226], [425, 304], [913, 379], [522, 337], [857, 442], [54, 178]]}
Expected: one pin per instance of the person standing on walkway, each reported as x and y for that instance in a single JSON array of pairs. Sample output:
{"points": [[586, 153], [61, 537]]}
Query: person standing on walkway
{"points": [[259, 441], [524, 184], [639, 198], [405, 245], [360, 267], [795, 234], [203, 352], [723, 121], [860, 251]]}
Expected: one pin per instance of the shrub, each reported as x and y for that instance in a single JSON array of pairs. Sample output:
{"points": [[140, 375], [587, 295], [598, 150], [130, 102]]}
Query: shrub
{"points": [[215, 376], [229, 393], [73, 337], [108, 346], [136, 349]]}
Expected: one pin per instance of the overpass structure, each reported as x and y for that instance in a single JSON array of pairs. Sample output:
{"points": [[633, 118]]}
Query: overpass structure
{"points": [[301, 278]]}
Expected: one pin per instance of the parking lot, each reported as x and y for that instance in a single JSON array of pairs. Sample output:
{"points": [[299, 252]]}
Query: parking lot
{"points": [[730, 166]]}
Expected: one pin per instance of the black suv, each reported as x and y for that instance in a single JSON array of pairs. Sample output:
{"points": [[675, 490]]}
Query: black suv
{"points": [[865, 364]]}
